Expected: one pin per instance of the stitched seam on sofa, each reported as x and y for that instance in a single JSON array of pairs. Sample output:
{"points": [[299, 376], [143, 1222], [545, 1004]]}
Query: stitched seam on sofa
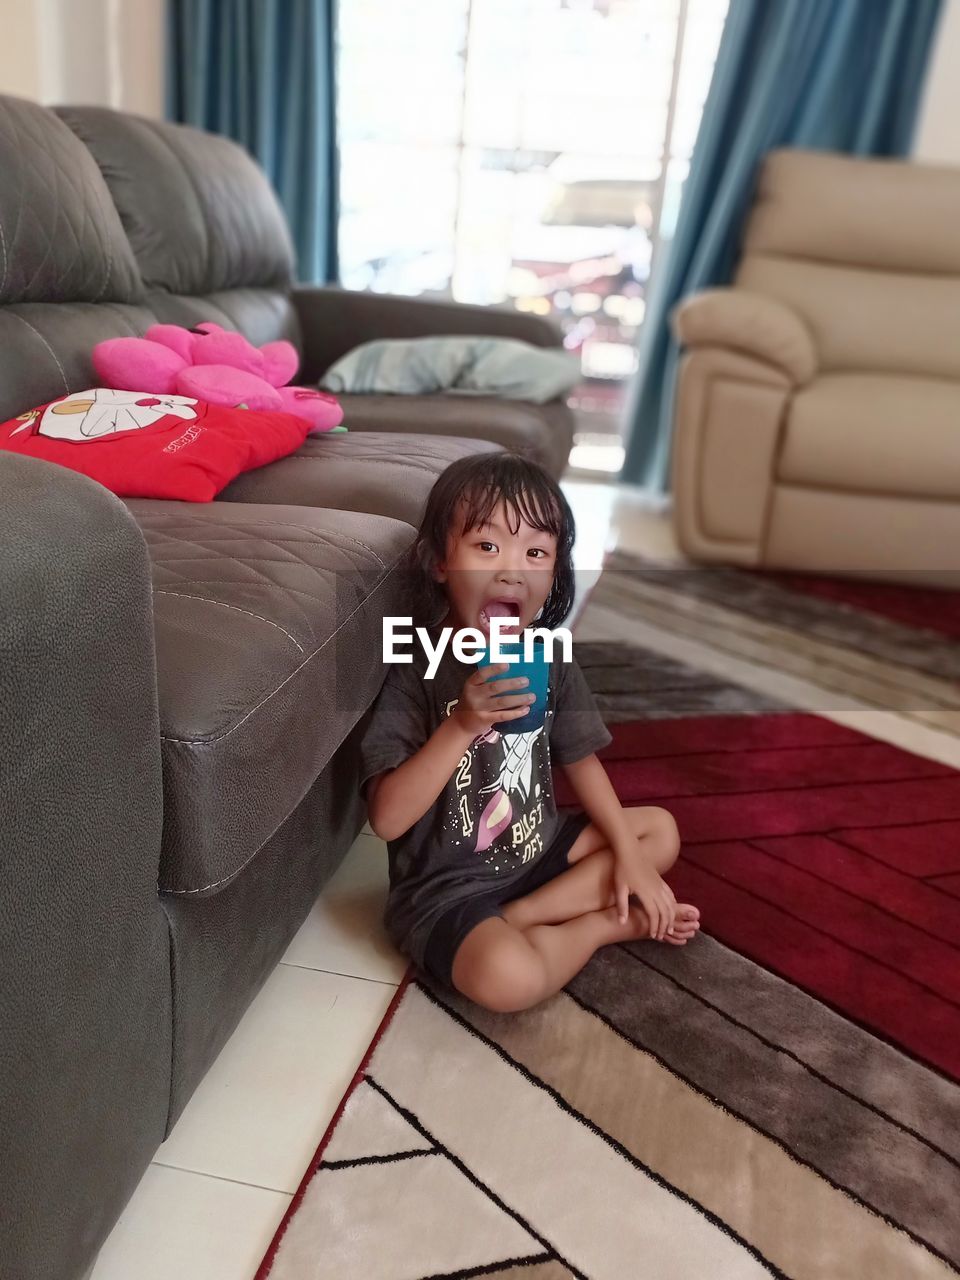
{"points": [[61, 174], [19, 188], [6, 263], [204, 286], [49, 246], [106, 278], [267, 584], [345, 537], [215, 884], [78, 190], [209, 742], [66, 385], [184, 577], [113, 306], [225, 880], [179, 595], [160, 561], [319, 535]]}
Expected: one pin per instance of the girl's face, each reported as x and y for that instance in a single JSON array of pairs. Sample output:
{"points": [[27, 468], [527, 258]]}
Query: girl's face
{"points": [[493, 572]]}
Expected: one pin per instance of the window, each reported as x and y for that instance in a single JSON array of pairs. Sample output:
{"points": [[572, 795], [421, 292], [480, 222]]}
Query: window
{"points": [[528, 152]]}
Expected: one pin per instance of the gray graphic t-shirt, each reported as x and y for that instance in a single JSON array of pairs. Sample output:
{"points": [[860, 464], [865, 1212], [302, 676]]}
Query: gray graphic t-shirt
{"points": [[497, 813]]}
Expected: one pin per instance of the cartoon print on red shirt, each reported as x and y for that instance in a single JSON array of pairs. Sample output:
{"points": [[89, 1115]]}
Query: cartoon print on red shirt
{"points": [[88, 415]]}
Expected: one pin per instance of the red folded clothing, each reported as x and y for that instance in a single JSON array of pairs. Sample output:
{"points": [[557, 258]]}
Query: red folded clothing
{"points": [[147, 446]]}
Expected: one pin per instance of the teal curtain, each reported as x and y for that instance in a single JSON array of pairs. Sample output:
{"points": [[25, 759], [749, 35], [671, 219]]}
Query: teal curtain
{"points": [[262, 72], [833, 75]]}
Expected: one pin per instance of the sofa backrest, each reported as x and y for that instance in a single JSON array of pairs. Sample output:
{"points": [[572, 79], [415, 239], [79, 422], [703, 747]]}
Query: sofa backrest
{"points": [[206, 229], [67, 275], [867, 252]]}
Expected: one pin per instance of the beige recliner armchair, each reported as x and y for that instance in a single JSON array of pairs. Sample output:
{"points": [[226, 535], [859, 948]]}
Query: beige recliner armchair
{"points": [[817, 415]]}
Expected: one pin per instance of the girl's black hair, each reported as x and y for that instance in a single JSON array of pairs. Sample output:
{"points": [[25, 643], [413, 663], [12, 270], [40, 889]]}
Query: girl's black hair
{"points": [[464, 497]]}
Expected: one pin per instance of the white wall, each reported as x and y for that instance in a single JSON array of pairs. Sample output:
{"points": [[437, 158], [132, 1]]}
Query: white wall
{"points": [[108, 52], [938, 129]]}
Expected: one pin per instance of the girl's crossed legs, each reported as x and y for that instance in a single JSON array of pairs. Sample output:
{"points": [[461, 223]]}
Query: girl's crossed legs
{"points": [[545, 938]]}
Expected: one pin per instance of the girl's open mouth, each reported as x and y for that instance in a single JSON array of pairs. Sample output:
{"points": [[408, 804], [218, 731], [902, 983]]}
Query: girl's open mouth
{"points": [[500, 607]]}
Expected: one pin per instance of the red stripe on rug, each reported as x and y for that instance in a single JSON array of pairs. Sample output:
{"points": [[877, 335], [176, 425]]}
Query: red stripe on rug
{"points": [[949, 884], [802, 846], [910, 899], [782, 813], [917, 955], [879, 998], [927, 848], [797, 767], [931, 608], [641, 739]]}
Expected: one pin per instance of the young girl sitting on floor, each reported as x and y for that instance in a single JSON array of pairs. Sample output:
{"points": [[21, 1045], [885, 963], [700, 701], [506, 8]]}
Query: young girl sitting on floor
{"points": [[492, 890]]}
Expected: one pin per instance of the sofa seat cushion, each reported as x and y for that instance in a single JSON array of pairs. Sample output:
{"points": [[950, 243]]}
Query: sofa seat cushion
{"points": [[268, 636], [357, 471], [875, 433], [542, 432]]}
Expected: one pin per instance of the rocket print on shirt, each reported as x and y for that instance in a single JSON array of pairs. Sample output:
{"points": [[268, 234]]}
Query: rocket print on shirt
{"points": [[512, 802]]}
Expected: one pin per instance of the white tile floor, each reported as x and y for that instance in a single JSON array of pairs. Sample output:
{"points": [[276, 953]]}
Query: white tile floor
{"points": [[210, 1202]]}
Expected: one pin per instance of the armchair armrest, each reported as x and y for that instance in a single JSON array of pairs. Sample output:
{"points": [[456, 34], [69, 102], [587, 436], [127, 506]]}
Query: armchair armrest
{"points": [[85, 996], [333, 321], [757, 325]]}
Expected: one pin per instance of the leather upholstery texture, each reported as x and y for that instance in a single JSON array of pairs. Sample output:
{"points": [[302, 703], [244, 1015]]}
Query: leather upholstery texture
{"points": [[357, 471], [542, 432], [818, 396], [225, 946], [202, 220], [85, 1000], [268, 624], [67, 276]]}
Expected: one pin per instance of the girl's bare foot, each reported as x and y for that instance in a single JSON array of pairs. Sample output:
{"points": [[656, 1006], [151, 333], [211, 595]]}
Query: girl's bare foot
{"points": [[686, 924]]}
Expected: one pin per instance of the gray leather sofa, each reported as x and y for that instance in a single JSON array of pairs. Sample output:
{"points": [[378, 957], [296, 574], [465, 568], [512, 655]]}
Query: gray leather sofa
{"points": [[182, 687]]}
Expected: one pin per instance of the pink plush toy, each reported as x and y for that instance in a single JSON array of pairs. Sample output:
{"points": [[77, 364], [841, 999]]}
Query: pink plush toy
{"points": [[212, 364]]}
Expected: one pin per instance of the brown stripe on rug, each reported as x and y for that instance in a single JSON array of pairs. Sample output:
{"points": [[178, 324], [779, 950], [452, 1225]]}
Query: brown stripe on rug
{"points": [[912, 670], [828, 1045], [907, 1180], [630, 683]]}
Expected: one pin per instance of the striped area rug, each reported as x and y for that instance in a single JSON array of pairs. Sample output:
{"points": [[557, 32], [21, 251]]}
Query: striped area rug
{"points": [[778, 1099], [670, 1115]]}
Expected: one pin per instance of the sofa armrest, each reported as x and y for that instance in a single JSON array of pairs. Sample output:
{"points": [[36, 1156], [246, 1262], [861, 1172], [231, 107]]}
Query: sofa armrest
{"points": [[333, 321], [85, 995], [762, 327]]}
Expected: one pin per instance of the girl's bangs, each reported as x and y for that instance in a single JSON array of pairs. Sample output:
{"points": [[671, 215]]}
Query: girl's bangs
{"points": [[531, 503]]}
